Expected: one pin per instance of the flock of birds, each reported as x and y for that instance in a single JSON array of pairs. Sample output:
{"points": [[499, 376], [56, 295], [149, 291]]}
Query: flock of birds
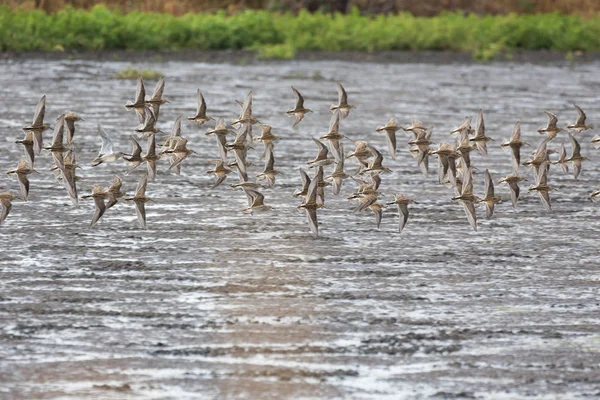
{"points": [[455, 169]]}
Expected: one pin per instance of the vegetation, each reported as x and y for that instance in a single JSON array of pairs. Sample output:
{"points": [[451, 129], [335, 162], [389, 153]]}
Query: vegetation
{"points": [[134, 73], [281, 35]]}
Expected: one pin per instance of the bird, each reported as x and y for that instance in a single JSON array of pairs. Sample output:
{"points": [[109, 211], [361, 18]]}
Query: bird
{"points": [[178, 152], [562, 159], [490, 198], [361, 152], [539, 156], [269, 171], [447, 156], [595, 195], [390, 128], [135, 159], [139, 103], [220, 172], [267, 138], [579, 125], [299, 110], [140, 200], [148, 125], [551, 129], [311, 204], [151, 157], [467, 198], [22, 171], [512, 181], [305, 184], [6, 199], [70, 119], [28, 144], [542, 187], [106, 153], [240, 147], [200, 117], [38, 126], [596, 141], [246, 113], [174, 136], [156, 100], [334, 136], [480, 139], [402, 202], [220, 131], [258, 202], [57, 148], [114, 192], [322, 158], [515, 143], [576, 157], [342, 106], [337, 176], [376, 165], [99, 195], [69, 177]]}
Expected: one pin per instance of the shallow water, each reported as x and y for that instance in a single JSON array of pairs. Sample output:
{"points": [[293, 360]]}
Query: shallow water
{"points": [[209, 302]]}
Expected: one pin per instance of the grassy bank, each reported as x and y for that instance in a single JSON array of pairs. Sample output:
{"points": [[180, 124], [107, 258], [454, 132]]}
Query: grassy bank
{"points": [[280, 35]]}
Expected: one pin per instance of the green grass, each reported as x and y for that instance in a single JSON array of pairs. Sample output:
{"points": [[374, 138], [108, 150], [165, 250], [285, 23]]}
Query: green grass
{"points": [[276, 35], [133, 73]]}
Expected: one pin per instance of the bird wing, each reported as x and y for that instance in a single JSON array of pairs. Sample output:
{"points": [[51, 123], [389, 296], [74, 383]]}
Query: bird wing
{"points": [[140, 91], [323, 150], [40, 111], [201, 105], [158, 89], [59, 130], [6, 206], [140, 208], [176, 130], [470, 212], [100, 209], [516, 133], [576, 147], [299, 99], [342, 95], [403, 211], [247, 107], [107, 145], [489, 184], [580, 116], [141, 187]]}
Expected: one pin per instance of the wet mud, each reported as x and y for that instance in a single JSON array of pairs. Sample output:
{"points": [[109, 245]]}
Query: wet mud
{"points": [[212, 303]]}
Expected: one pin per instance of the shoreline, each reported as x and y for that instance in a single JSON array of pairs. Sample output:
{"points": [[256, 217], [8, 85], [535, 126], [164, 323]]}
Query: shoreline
{"points": [[249, 56]]}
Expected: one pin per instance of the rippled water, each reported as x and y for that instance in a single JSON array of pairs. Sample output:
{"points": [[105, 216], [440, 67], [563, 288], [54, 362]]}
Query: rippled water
{"points": [[209, 302]]}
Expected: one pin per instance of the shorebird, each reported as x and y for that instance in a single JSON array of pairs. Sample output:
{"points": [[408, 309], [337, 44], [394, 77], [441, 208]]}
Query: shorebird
{"points": [[106, 153], [579, 125], [246, 113], [337, 177], [269, 171], [139, 103], [539, 156], [551, 129], [562, 159], [99, 195], [69, 177], [490, 198], [57, 148], [37, 127], [342, 106], [542, 187], [28, 144], [173, 137], [140, 200], [220, 171], [305, 184], [464, 129], [465, 148], [512, 181], [376, 165], [135, 159], [220, 131], [70, 119], [311, 204], [178, 152], [156, 100], [576, 157], [22, 171], [240, 147], [200, 117], [390, 128], [334, 136], [151, 157], [258, 202], [6, 199], [298, 109], [515, 143], [361, 152], [480, 139], [267, 138], [415, 127], [595, 195], [467, 198], [447, 156], [148, 126], [402, 202], [114, 192], [321, 183], [377, 209], [596, 141], [322, 158]]}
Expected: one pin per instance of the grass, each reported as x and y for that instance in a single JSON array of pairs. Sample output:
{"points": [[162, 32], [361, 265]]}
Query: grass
{"points": [[276, 35], [133, 73]]}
